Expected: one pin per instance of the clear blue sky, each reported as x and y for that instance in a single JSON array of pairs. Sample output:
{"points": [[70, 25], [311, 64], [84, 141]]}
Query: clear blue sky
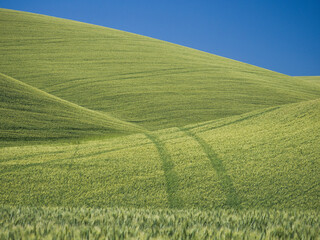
{"points": [[281, 35]]}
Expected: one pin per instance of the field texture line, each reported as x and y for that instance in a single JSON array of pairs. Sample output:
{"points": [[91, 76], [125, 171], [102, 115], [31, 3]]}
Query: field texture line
{"points": [[217, 164], [171, 178], [13, 167], [51, 162], [30, 155], [232, 122]]}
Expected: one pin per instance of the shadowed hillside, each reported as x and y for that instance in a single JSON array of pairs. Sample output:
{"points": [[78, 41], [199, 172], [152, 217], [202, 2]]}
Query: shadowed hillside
{"points": [[27, 113]]}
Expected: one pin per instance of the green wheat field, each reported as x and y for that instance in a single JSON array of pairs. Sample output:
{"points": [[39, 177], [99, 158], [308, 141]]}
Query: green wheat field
{"points": [[106, 134]]}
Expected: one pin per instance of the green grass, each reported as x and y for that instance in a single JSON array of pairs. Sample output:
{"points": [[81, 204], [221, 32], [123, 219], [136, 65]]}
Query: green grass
{"points": [[124, 223], [266, 159], [272, 157], [115, 172], [310, 79], [135, 78], [108, 134], [29, 114]]}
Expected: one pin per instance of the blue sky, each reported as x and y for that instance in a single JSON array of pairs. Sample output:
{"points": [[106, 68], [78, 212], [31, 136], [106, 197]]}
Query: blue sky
{"points": [[281, 35]]}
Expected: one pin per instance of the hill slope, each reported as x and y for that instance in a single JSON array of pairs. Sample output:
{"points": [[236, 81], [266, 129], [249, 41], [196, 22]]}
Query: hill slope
{"points": [[27, 113], [135, 78], [267, 158], [310, 79]]}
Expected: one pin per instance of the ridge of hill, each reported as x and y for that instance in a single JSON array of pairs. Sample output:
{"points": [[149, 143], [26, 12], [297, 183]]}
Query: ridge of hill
{"points": [[153, 83], [263, 159], [310, 79], [27, 113]]}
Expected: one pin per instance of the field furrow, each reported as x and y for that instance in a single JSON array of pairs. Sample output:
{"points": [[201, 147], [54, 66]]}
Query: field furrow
{"points": [[199, 185], [171, 177], [273, 158], [226, 182]]}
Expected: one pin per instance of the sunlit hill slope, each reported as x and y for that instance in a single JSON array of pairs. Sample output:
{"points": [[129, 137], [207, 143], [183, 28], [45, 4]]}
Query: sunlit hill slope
{"points": [[267, 158], [139, 122], [135, 78]]}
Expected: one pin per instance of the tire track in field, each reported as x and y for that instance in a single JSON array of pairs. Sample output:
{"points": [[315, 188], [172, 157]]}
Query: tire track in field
{"points": [[217, 164], [171, 178]]}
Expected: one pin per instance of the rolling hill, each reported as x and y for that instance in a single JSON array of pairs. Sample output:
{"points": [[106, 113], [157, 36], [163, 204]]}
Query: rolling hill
{"points": [[267, 159], [310, 79], [29, 114], [135, 78], [109, 134]]}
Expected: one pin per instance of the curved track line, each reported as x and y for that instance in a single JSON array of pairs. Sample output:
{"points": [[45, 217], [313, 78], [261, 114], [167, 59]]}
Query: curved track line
{"points": [[232, 122], [169, 173], [217, 164]]}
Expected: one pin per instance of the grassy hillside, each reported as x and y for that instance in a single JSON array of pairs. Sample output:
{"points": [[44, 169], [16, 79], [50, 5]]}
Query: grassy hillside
{"points": [[310, 79], [268, 158], [135, 78], [124, 223], [168, 141], [27, 113]]}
